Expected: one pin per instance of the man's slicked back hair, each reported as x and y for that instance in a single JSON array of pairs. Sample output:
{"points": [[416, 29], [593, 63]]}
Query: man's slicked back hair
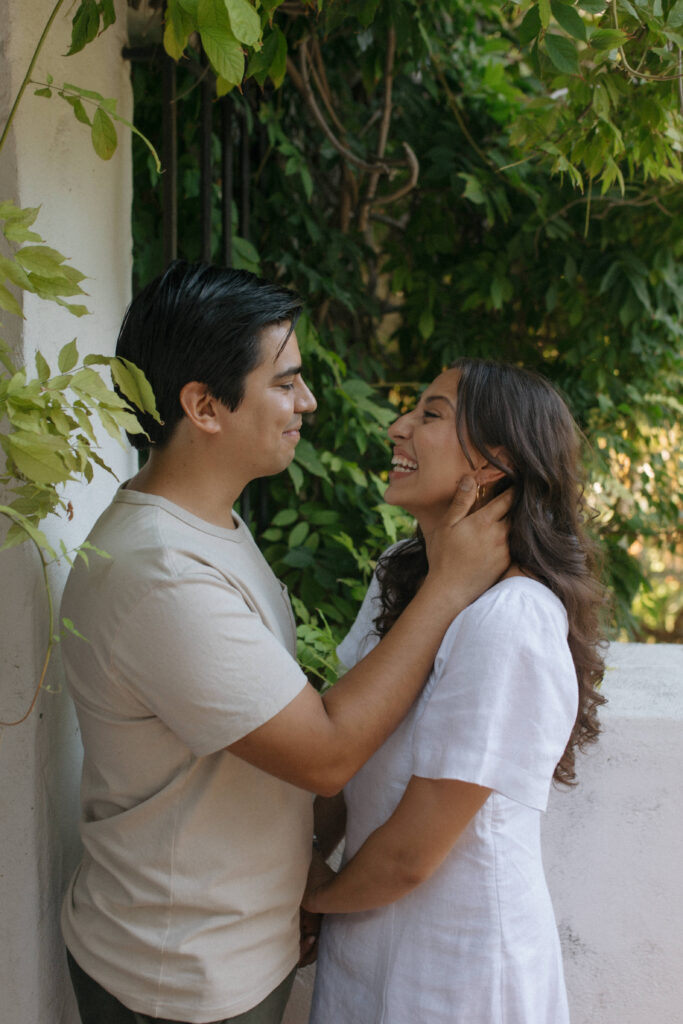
{"points": [[198, 322]]}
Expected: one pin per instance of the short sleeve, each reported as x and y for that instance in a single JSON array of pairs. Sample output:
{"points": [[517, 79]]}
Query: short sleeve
{"points": [[503, 698], [194, 654]]}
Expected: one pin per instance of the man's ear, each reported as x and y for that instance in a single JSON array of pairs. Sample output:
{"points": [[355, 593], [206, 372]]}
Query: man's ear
{"points": [[488, 473], [200, 407]]}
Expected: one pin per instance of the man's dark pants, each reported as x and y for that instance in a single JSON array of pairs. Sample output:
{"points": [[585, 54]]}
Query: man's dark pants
{"points": [[97, 1006]]}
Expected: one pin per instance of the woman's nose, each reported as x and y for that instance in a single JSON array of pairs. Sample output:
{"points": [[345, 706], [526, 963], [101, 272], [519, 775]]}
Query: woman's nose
{"points": [[400, 428]]}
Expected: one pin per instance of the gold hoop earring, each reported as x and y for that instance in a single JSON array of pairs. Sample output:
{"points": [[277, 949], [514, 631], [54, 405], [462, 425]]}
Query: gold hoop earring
{"points": [[481, 492]]}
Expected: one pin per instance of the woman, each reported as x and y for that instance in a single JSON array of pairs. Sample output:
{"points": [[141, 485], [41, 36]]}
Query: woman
{"points": [[440, 912]]}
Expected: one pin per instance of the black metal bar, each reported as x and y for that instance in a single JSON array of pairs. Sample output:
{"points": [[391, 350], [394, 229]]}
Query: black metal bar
{"points": [[245, 173], [205, 177], [142, 53], [169, 156], [226, 179]]}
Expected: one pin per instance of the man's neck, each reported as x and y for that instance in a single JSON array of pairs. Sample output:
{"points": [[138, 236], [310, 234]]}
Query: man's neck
{"points": [[184, 480]]}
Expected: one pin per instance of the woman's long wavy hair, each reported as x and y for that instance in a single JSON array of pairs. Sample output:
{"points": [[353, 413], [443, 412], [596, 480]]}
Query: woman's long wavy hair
{"points": [[501, 405]]}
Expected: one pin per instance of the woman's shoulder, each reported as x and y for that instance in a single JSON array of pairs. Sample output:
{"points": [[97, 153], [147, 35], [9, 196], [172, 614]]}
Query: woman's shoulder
{"points": [[519, 591], [517, 606]]}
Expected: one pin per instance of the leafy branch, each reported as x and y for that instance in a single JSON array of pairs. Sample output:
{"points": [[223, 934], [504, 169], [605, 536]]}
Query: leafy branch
{"points": [[103, 131], [51, 418]]}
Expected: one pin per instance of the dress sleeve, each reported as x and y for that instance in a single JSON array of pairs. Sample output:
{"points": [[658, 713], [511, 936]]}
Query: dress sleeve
{"points": [[503, 697], [195, 655]]}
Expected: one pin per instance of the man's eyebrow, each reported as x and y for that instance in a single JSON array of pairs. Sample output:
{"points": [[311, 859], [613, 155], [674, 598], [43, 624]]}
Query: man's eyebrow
{"points": [[439, 398], [291, 371]]}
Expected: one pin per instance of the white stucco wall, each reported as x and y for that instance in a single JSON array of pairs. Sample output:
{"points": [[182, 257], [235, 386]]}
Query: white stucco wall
{"points": [[613, 849], [48, 160]]}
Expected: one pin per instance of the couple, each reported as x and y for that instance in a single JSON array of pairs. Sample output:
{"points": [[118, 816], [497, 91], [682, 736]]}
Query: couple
{"points": [[203, 740]]}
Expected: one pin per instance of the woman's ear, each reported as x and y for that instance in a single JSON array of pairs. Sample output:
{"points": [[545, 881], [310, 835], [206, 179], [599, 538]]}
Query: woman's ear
{"points": [[200, 407], [488, 473]]}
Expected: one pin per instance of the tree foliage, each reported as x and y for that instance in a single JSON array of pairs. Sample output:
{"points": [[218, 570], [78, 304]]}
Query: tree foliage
{"points": [[441, 178]]}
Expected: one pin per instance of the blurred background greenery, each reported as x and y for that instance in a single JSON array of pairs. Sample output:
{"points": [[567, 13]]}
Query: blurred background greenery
{"points": [[441, 178]]}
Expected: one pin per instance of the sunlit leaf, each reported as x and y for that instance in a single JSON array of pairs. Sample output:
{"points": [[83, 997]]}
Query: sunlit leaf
{"points": [[103, 135], [68, 357], [244, 21]]}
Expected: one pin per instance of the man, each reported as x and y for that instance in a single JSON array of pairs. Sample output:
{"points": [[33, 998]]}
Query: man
{"points": [[202, 738]]}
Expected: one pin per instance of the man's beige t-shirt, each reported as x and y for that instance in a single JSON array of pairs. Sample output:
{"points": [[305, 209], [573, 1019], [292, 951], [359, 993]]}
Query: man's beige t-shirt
{"points": [[186, 902]]}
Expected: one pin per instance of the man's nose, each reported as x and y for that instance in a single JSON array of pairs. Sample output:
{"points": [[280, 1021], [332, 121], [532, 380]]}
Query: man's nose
{"points": [[306, 399]]}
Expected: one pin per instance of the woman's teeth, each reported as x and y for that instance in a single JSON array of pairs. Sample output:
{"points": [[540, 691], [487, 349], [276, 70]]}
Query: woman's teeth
{"points": [[403, 464]]}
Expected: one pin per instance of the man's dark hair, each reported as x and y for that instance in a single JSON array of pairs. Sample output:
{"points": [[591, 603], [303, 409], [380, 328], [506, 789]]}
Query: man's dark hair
{"points": [[199, 322]]}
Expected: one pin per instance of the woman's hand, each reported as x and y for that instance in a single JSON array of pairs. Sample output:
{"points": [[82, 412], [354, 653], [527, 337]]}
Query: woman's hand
{"points": [[401, 854]]}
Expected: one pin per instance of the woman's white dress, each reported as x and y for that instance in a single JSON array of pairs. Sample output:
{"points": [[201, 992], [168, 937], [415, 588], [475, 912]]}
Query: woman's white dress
{"points": [[477, 943]]}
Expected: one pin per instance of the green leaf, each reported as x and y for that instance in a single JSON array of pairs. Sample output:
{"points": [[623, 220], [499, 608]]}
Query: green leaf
{"points": [[426, 324], [299, 558], [52, 287], [87, 383], [85, 26], [78, 109], [244, 255], [68, 357], [84, 423], [98, 551], [14, 273], [98, 360], [43, 92], [675, 18], [530, 26], [296, 473], [103, 135], [298, 535], [89, 94], [135, 386], [41, 260], [69, 626], [562, 53], [568, 18], [278, 67], [607, 38], [6, 357], [8, 302], [544, 12], [307, 456], [220, 44], [123, 419], [26, 215], [42, 367], [260, 63], [39, 459], [15, 535], [108, 13], [15, 232], [244, 21], [179, 25], [74, 310], [473, 190], [285, 517], [25, 524]]}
